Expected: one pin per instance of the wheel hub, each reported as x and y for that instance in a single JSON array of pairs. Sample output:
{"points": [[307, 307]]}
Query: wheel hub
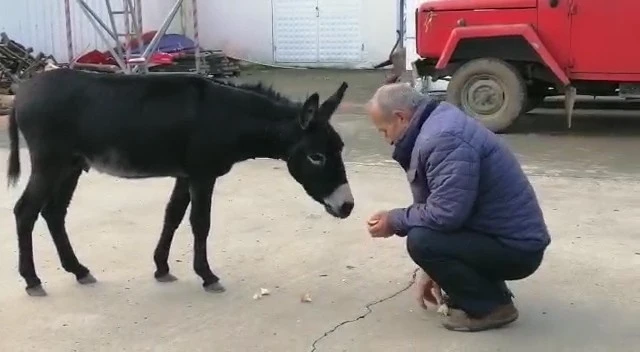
{"points": [[484, 96]]}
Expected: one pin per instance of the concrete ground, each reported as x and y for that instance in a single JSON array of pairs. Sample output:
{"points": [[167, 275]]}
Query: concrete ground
{"points": [[267, 234]]}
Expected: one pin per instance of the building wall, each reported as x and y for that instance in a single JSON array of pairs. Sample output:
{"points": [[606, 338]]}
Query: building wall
{"points": [[242, 28], [41, 25]]}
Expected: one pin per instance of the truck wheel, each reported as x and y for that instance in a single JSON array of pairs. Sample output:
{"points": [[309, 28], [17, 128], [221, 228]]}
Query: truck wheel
{"points": [[490, 90]]}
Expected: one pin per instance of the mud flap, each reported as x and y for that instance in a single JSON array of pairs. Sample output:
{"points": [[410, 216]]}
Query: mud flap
{"points": [[398, 63], [569, 101], [415, 77]]}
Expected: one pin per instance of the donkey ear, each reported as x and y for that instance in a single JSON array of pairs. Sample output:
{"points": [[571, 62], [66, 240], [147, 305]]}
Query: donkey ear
{"points": [[309, 111], [330, 105]]}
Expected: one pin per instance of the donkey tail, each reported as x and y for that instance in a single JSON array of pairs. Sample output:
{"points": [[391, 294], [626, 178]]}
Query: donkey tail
{"points": [[13, 174]]}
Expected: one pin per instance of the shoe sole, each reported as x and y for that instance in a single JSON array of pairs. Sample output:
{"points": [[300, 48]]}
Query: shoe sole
{"points": [[495, 325]]}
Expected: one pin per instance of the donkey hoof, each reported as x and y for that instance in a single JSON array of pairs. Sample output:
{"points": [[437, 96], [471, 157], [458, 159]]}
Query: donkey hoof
{"points": [[215, 287], [87, 279], [166, 278], [36, 291]]}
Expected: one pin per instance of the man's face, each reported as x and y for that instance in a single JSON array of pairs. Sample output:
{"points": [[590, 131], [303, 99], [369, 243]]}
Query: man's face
{"points": [[391, 127]]}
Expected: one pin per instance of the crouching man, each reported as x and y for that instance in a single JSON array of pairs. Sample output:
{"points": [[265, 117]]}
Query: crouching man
{"points": [[475, 220]]}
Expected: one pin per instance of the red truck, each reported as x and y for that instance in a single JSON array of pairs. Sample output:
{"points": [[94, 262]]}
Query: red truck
{"points": [[504, 57]]}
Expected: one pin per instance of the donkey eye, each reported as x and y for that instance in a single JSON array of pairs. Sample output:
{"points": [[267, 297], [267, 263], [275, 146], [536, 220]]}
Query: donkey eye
{"points": [[317, 159]]}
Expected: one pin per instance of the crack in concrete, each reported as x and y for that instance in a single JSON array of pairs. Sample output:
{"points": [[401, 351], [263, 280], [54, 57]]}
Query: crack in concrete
{"points": [[368, 308]]}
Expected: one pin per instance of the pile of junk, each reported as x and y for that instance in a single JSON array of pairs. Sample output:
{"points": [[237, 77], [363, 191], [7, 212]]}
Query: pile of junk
{"points": [[173, 53], [17, 63]]}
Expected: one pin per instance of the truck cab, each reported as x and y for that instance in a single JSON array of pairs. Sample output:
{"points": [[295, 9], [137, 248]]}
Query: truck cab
{"points": [[504, 57]]}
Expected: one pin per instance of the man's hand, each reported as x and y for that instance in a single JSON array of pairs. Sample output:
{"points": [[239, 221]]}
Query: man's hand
{"points": [[378, 225]]}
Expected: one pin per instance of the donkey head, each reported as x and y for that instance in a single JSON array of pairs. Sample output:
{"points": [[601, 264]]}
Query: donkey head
{"points": [[315, 160]]}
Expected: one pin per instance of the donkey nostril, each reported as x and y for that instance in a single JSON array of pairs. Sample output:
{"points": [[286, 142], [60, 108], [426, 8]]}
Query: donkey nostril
{"points": [[346, 208]]}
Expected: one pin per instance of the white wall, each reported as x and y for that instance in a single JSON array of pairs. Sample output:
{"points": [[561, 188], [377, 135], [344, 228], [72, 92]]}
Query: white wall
{"points": [[242, 28], [40, 24]]}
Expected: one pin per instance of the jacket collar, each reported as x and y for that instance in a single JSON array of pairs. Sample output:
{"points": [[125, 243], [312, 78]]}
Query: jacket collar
{"points": [[404, 145]]}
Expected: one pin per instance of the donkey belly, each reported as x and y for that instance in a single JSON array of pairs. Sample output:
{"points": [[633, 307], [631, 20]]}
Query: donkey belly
{"points": [[127, 145], [119, 163]]}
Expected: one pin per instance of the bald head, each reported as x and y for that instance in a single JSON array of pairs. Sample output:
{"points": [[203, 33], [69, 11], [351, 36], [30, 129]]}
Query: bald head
{"points": [[395, 97], [391, 109]]}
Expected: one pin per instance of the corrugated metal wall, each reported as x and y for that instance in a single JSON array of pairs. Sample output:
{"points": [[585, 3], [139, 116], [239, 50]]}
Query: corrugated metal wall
{"points": [[40, 24]]}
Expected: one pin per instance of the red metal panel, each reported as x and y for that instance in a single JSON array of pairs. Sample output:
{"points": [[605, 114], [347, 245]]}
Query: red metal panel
{"points": [[434, 28], [554, 29], [445, 5], [612, 77], [524, 30], [605, 36], [581, 39]]}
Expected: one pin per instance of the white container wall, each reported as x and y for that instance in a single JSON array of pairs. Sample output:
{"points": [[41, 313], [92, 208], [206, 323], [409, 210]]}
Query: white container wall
{"points": [[40, 24], [249, 29], [242, 28]]}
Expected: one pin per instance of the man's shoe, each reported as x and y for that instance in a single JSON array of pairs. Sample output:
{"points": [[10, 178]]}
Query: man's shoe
{"points": [[458, 320]]}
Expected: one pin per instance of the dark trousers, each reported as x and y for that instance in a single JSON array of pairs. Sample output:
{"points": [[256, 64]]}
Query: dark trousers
{"points": [[470, 267]]}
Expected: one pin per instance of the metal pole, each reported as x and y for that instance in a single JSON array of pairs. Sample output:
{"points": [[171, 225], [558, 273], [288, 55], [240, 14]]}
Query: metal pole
{"points": [[94, 21], [162, 30], [67, 15], [127, 27], [139, 15], [89, 12], [402, 21], [196, 40], [136, 14], [113, 26]]}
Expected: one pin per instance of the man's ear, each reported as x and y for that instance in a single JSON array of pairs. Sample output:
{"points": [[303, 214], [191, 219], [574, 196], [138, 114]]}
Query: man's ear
{"points": [[309, 111], [401, 115]]}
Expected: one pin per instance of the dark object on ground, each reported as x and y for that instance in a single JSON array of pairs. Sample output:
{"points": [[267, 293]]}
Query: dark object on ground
{"points": [[141, 126]]}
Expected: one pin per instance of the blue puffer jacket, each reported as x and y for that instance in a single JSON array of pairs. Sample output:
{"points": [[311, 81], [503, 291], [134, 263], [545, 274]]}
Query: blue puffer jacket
{"points": [[462, 176]]}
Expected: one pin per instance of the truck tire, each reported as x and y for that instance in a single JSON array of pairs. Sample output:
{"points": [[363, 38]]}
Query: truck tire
{"points": [[490, 90]]}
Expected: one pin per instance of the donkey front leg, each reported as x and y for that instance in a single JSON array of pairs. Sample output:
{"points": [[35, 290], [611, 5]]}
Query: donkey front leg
{"points": [[173, 215], [201, 192]]}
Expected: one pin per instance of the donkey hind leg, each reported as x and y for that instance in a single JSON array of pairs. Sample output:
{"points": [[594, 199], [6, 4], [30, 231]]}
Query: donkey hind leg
{"points": [[174, 213], [200, 217], [26, 212], [54, 213]]}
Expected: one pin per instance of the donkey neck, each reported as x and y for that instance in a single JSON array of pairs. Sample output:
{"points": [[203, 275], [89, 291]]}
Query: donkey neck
{"points": [[266, 139], [266, 123]]}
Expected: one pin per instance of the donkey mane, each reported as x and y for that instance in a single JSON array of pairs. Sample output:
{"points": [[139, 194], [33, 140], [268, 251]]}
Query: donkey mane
{"points": [[267, 91], [261, 89]]}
